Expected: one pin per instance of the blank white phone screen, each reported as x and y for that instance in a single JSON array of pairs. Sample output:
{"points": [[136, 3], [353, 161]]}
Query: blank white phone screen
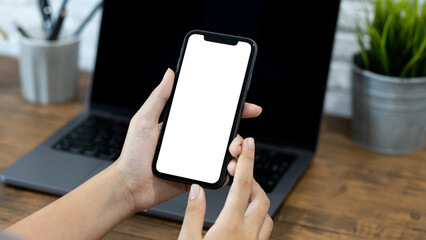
{"points": [[201, 116]]}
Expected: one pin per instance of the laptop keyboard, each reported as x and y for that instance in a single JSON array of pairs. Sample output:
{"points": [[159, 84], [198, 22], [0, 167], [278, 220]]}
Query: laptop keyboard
{"points": [[103, 138], [269, 167], [95, 137]]}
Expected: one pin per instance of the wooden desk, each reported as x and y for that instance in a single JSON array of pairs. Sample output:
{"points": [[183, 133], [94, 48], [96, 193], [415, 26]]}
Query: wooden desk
{"points": [[347, 193]]}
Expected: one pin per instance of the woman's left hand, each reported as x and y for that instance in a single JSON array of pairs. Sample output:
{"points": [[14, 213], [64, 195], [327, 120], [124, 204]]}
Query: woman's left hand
{"points": [[135, 161]]}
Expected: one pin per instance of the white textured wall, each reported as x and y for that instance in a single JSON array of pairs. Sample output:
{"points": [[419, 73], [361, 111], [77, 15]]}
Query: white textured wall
{"points": [[338, 97]]}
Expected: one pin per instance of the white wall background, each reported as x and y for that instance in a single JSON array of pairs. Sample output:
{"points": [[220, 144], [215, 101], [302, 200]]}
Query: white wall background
{"points": [[338, 98], [27, 13]]}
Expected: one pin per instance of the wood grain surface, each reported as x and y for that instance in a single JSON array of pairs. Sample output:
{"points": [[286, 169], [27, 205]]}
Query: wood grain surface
{"points": [[347, 193]]}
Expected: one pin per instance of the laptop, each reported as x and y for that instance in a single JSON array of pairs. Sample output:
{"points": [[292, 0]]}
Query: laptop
{"points": [[139, 40]]}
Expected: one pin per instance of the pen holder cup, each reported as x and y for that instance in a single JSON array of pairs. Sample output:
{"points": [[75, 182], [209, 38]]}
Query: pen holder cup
{"points": [[48, 69]]}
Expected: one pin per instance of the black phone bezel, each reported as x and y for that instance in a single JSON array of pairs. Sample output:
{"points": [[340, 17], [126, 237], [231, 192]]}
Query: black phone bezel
{"points": [[220, 38]]}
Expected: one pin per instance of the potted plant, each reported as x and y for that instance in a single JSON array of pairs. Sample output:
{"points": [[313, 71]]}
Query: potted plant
{"points": [[389, 78]]}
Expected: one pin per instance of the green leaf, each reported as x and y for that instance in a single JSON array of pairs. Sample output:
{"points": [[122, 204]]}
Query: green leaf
{"points": [[383, 41], [415, 59], [360, 38], [396, 34]]}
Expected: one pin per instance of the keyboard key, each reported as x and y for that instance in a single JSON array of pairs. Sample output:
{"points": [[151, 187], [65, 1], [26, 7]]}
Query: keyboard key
{"points": [[270, 166], [95, 137]]}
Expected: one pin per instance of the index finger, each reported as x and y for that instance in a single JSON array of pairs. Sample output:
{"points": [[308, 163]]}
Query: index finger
{"points": [[241, 187], [251, 110]]}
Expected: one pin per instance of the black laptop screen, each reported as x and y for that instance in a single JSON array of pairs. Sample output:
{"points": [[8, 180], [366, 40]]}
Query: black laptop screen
{"points": [[139, 40]]}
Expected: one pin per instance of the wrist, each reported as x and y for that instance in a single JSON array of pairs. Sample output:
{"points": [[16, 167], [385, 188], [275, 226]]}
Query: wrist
{"points": [[122, 193]]}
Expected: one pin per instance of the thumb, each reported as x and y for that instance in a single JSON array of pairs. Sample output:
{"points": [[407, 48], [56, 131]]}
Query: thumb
{"points": [[193, 221], [153, 106]]}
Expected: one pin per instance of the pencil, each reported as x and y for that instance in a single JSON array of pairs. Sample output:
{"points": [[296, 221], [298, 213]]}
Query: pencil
{"points": [[56, 28], [46, 12], [3, 34], [54, 33], [21, 30]]}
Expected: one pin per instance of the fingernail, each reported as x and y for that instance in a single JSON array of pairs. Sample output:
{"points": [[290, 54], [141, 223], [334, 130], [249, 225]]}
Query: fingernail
{"points": [[193, 193], [250, 142]]}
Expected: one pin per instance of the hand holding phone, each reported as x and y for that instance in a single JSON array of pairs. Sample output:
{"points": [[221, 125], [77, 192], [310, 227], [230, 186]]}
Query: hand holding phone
{"points": [[203, 113]]}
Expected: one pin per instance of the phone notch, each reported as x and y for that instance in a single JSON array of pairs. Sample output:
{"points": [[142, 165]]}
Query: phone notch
{"points": [[220, 39]]}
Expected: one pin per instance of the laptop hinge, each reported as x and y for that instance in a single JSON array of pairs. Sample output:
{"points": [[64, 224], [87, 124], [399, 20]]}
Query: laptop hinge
{"points": [[111, 111], [112, 115]]}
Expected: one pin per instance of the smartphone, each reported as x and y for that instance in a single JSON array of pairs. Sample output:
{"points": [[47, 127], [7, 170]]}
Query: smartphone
{"points": [[202, 115]]}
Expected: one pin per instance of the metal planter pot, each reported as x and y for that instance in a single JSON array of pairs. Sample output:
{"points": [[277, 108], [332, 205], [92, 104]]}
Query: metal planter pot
{"points": [[389, 113]]}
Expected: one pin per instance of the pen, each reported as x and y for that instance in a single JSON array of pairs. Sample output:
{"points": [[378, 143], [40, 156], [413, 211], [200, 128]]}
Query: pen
{"points": [[54, 33], [21, 30], [56, 28], [46, 12], [92, 13], [3, 34]]}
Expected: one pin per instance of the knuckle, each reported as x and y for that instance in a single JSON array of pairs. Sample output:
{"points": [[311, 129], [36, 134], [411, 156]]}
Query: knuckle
{"points": [[248, 156], [270, 222], [266, 202], [233, 228], [136, 119], [139, 122], [193, 209], [245, 182], [263, 198]]}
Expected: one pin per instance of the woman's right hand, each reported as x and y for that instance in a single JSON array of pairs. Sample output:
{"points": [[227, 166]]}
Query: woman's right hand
{"points": [[245, 213]]}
